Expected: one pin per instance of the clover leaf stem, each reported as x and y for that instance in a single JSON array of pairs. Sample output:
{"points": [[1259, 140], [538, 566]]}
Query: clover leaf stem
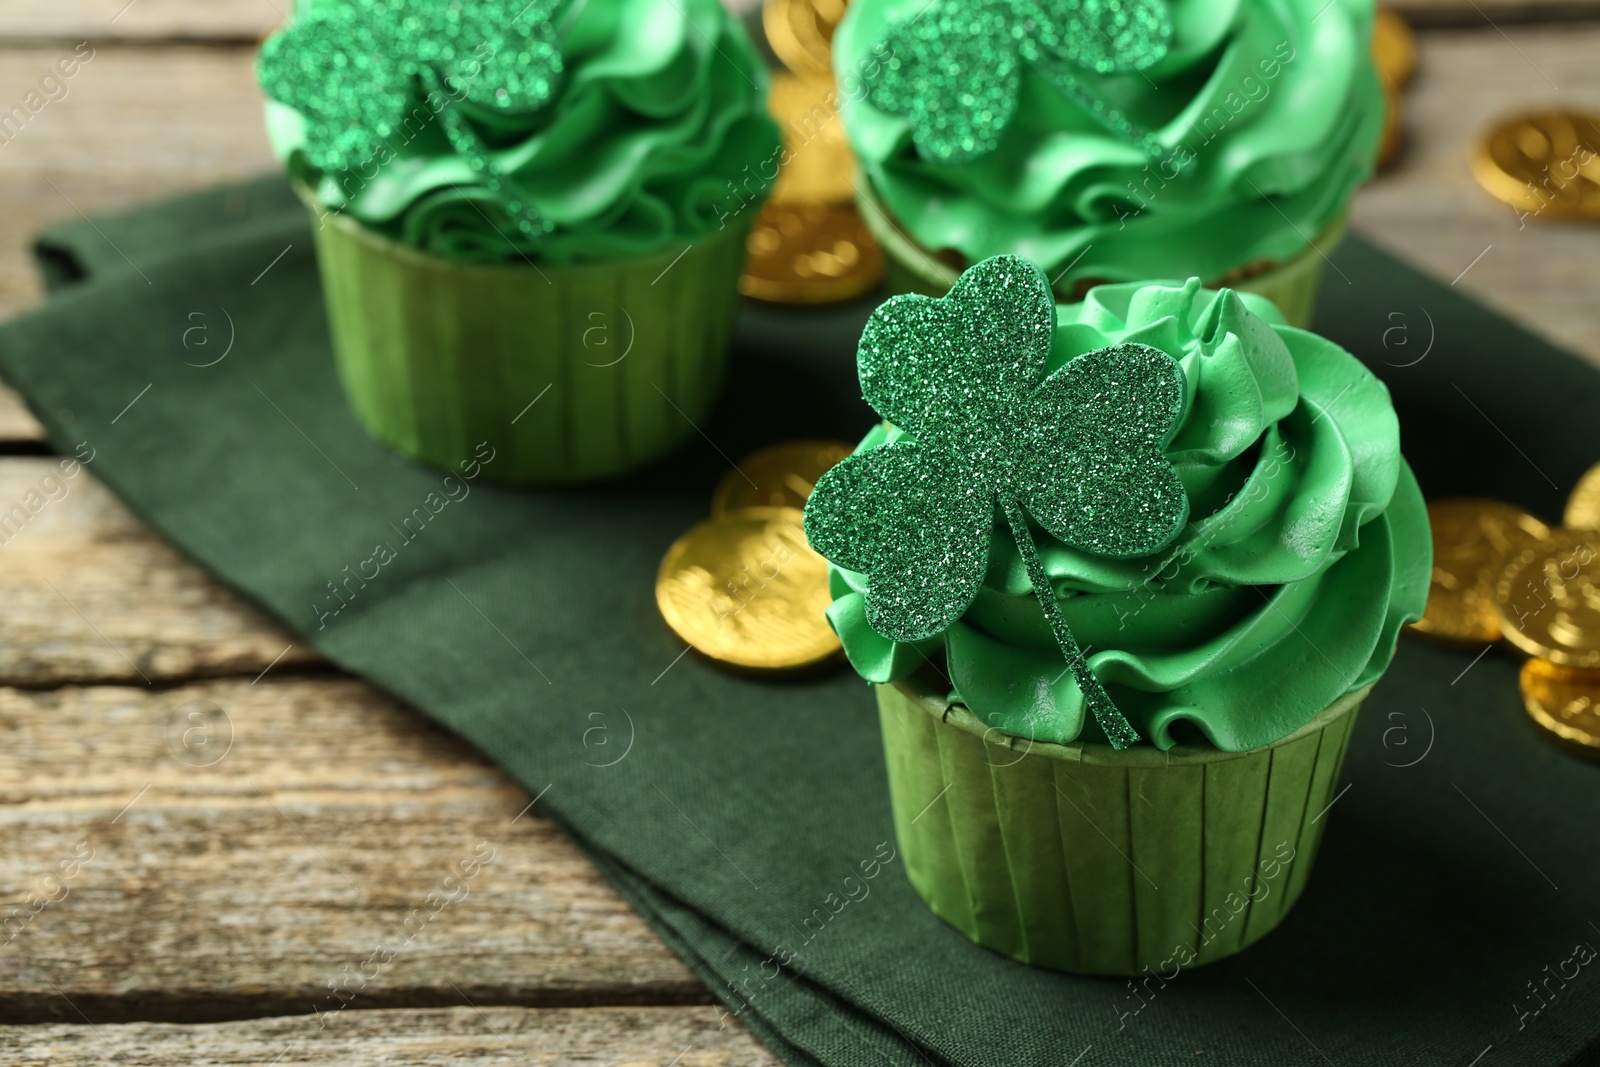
{"points": [[1069, 84], [470, 144], [1118, 730]]}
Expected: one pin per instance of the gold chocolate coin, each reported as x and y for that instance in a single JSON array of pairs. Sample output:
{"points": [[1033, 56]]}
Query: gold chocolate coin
{"points": [[746, 589], [781, 476], [1394, 49], [1565, 703], [1473, 541], [818, 165], [1545, 164], [1549, 599], [810, 254], [801, 32], [1583, 506]]}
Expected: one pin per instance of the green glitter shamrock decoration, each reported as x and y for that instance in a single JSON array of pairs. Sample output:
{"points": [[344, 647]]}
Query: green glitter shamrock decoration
{"points": [[955, 70], [1080, 449], [360, 70]]}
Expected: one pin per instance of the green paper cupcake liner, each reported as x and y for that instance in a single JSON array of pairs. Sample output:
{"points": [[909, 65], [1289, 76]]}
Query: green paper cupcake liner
{"points": [[569, 373], [1081, 858], [910, 268]]}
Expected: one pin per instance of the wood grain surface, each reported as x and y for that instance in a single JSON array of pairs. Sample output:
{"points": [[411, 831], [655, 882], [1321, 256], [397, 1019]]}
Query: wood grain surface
{"points": [[230, 849], [214, 21], [491, 1037], [91, 595], [1430, 211], [134, 124]]}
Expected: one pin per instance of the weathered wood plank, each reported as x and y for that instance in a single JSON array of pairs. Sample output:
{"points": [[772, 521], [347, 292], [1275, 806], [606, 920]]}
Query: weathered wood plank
{"points": [[1429, 210], [133, 124], [17, 424], [91, 595], [1486, 14], [229, 850], [130, 125], [135, 612], [492, 1037], [226, 20]]}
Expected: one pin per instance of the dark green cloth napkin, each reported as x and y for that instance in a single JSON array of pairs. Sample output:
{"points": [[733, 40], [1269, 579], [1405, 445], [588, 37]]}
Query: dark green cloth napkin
{"points": [[1458, 865]]}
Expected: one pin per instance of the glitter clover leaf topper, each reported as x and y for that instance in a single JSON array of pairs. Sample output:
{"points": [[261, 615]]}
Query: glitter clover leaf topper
{"points": [[955, 69], [360, 70], [988, 432]]}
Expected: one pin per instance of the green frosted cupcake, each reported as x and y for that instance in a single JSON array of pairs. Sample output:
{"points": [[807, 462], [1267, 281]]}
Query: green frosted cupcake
{"points": [[1219, 139], [1122, 571], [530, 218]]}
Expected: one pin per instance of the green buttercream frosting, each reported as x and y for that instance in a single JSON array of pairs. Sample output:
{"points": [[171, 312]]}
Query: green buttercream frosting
{"points": [[1266, 115], [1306, 551], [657, 135]]}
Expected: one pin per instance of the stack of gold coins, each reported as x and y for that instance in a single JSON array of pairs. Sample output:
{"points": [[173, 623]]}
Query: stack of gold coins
{"points": [[809, 245], [1394, 48], [1544, 165], [1501, 574], [1473, 542], [744, 587], [1549, 604]]}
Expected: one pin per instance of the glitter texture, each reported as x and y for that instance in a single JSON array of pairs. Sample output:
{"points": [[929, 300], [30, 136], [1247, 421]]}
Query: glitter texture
{"points": [[954, 73], [987, 433], [955, 69], [359, 70]]}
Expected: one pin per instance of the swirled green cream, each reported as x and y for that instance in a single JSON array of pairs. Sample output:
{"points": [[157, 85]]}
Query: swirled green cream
{"points": [[1306, 551], [658, 135], [1266, 114]]}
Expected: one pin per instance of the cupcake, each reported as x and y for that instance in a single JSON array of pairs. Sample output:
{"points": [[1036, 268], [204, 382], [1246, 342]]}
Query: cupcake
{"points": [[530, 218], [1121, 572], [1112, 143]]}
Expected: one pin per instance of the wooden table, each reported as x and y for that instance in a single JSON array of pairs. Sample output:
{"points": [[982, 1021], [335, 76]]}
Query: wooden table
{"points": [[243, 824]]}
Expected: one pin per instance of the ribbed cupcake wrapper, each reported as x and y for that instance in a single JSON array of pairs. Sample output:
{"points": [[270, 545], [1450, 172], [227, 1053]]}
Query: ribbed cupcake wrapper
{"points": [[909, 268], [618, 360], [1084, 859]]}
